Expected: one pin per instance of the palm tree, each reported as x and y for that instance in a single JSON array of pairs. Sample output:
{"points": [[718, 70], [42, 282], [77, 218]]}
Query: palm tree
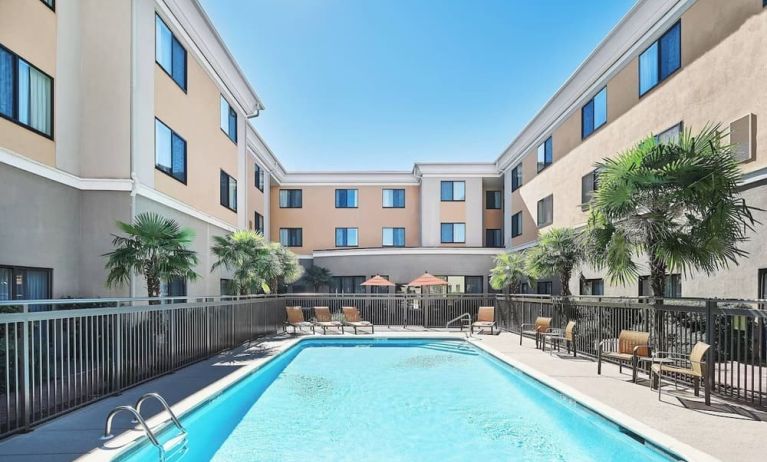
{"points": [[247, 255], [557, 253], [675, 203], [509, 272], [285, 269], [318, 276], [155, 247]]}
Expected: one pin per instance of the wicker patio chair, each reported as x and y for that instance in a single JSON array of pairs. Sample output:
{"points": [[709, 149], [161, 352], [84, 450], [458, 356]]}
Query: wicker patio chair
{"points": [[485, 318], [628, 348], [296, 319], [352, 318], [540, 326], [325, 320], [675, 365]]}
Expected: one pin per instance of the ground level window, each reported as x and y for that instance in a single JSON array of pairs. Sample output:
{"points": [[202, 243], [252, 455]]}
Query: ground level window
{"points": [[226, 286], [24, 283], [347, 285], [673, 287], [763, 281], [543, 288], [592, 287]]}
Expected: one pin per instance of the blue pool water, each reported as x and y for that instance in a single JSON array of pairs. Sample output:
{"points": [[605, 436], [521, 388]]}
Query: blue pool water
{"points": [[397, 400]]}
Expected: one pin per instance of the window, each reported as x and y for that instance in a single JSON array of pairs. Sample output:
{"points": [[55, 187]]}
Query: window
{"points": [[50, 3], [291, 237], [589, 184], [175, 287], [453, 233], [545, 211], [228, 120], [259, 223], [259, 178], [393, 237], [524, 288], [673, 287], [22, 283], [169, 53], [226, 286], [543, 288], [394, 198], [661, 59], [463, 284], [347, 285], [346, 237], [228, 191], [762, 279], [473, 285], [544, 154], [516, 224], [346, 198], [169, 152], [493, 199], [493, 238], [670, 135], [516, 177], [743, 138], [380, 289], [290, 198], [452, 191], [594, 113], [592, 287], [26, 94]]}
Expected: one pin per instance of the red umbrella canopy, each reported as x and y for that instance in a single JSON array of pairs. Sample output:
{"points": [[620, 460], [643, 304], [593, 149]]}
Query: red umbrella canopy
{"points": [[427, 279], [378, 281]]}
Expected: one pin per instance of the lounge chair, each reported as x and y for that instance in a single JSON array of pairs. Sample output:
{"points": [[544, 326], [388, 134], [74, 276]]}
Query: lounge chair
{"points": [[627, 348], [325, 320], [485, 318], [352, 318], [558, 336], [296, 319], [540, 326], [677, 365]]}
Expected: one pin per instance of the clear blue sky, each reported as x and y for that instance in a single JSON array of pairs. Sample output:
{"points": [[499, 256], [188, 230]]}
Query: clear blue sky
{"points": [[380, 84]]}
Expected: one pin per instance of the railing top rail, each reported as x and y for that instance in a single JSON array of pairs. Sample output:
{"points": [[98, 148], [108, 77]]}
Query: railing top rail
{"points": [[118, 300]]}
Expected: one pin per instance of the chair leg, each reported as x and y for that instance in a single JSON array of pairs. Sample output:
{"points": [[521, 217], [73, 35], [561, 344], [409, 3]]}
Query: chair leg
{"points": [[599, 365], [696, 385]]}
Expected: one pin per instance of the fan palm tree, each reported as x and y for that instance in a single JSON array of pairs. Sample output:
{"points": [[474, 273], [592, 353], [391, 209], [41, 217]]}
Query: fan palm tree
{"points": [[676, 204], [155, 247], [285, 269], [557, 253], [318, 276], [247, 255], [509, 272]]}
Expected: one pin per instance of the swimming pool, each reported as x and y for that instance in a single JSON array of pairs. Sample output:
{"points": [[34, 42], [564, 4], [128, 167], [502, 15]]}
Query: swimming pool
{"points": [[397, 400]]}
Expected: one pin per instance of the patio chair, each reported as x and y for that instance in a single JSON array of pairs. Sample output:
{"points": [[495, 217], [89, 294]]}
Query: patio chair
{"points": [[352, 318], [325, 319], [676, 365], [629, 347], [485, 318], [296, 319], [540, 326], [566, 335]]}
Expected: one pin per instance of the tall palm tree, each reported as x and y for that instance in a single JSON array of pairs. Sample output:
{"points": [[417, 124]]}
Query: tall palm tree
{"points": [[155, 247], [509, 272], [286, 269], [247, 255], [318, 276], [557, 253], [675, 203]]}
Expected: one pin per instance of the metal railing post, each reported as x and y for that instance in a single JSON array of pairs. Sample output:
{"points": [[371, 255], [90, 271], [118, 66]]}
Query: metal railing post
{"points": [[118, 354], [26, 416], [711, 305]]}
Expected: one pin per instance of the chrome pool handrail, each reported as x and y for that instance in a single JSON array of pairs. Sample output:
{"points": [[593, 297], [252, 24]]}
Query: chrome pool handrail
{"points": [[164, 404], [148, 431], [458, 318]]}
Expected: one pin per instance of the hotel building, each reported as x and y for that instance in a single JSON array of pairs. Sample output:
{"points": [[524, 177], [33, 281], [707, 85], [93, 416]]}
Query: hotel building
{"points": [[106, 113]]}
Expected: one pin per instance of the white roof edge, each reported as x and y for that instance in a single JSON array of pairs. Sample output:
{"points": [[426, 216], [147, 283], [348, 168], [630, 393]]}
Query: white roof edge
{"points": [[263, 153], [196, 22], [641, 25]]}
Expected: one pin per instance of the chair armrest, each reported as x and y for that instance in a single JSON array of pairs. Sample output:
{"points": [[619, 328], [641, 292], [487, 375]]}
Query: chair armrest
{"points": [[522, 326], [637, 347]]}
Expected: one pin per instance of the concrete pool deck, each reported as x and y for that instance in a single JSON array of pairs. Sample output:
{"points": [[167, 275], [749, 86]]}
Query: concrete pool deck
{"points": [[724, 430]]}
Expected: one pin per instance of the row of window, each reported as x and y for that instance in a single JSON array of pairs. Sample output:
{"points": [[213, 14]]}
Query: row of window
{"points": [[656, 63], [391, 198], [672, 289], [26, 94], [344, 237], [455, 284]]}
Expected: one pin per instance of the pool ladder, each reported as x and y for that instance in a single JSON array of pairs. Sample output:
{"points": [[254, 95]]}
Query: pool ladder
{"points": [[465, 320], [166, 450]]}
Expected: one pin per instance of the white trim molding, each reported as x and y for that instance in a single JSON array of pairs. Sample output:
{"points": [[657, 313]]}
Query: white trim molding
{"points": [[447, 251], [60, 176], [160, 198]]}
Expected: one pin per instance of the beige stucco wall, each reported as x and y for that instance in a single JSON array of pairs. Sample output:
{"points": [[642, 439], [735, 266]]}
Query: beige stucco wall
{"points": [[719, 85], [28, 29], [195, 117], [255, 196], [319, 218]]}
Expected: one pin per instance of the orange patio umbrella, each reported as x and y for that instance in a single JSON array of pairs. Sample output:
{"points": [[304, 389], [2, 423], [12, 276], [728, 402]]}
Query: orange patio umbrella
{"points": [[427, 279], [378, 281]]}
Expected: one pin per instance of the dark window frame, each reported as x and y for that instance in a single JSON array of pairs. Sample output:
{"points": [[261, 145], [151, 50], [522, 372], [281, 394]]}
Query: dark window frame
{"points": [[186, 154], [594, 127], [258, 217], [497, 243], [452, 191], [346, 236], [393, 244], [669, 282], [288, 206], [346, 196], [538, 210], [442, 241], [548, 154], [230, 178], [394, 206], [584, 281], [229, 120], [16, 268], [762, 272], [677, 126], [259, 177], [548, 284], [52, 6], [492, 193], [185, 87], [300, 239], [15, 117], [519, 227], [594, 174], [660, 59], [517, 179]]}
